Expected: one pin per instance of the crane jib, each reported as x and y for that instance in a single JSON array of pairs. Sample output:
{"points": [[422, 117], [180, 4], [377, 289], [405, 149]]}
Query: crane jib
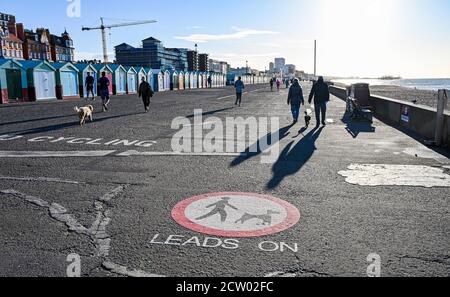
{"points": [[103, 27]]}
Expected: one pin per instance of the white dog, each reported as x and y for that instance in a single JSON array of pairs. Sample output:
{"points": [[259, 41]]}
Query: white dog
{"points": [[84, 113]]}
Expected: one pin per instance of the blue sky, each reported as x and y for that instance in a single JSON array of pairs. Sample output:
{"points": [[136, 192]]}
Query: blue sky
{"points": [[355, 37]]}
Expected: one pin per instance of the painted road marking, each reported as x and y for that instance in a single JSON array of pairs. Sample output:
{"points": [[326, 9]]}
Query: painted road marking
{"points": [[70, 154], [202, 124], [225, 97], [53, 154], [169, 154], [41, 179], [236, 215], [396, 175], [234, 95], [81, 141]]}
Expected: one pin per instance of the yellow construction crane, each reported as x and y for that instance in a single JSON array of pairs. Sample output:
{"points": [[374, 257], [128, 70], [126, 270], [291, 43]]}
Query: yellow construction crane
{"points": [[103, 28]]}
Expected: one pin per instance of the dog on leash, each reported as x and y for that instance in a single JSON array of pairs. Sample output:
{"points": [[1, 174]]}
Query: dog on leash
{"points": [[265, 219], [308, 113], [84, 113]]}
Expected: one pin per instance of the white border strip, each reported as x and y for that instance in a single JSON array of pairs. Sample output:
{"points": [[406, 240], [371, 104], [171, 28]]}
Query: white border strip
{"points": [[55, 154]]}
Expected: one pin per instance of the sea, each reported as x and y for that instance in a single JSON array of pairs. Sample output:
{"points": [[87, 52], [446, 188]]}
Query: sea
{"points": [[420, 84]]}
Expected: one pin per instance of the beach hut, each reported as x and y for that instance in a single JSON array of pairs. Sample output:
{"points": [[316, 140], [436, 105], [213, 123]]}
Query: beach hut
{"points": [[150, 78], [158, 80], [216, 80], [231, 79], [41, 79], [83, 71], [187, 80], [67, 86], [224, 79], [194, 80], [181, 80], [142, 73], [13, 81], [200, 80], [132, 79], [205, 79], [119, 79], [167, 80], [174, 82], [108, 74]]}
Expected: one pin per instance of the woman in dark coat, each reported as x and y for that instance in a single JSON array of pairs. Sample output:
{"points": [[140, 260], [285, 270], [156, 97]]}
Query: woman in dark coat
{"points": [[295, 99], [145, 92]]}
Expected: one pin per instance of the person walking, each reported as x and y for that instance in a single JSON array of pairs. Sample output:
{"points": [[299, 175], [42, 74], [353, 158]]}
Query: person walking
{"points": [[321, 95], [286, 81], [295, 99], [145, 92], [104, 84], [271, 84], [278, 84], [210, 81], [90, 86], [219, 208], [239, 86]]}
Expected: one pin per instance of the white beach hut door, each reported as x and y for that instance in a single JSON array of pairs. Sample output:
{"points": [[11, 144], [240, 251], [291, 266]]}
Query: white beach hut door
{"points": [[122, 82], [131, 83], [45, 85], [69, 82]]}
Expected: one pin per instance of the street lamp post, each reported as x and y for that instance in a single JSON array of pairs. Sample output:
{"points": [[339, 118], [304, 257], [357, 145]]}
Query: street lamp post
{"points": [[315, 58]]}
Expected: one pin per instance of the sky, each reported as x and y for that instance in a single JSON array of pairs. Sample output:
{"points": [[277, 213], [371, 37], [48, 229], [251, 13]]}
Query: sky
{"points": [[364, 38]]}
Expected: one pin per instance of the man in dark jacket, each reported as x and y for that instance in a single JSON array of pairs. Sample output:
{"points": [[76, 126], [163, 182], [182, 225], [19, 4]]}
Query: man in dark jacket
{"points": [[90, 86], [295, 99], [321, 95], [145, 92], [104, 83], [239, 86]]}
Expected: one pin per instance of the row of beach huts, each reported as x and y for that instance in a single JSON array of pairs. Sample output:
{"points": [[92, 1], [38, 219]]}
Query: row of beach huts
{"points": [[34, 80]]}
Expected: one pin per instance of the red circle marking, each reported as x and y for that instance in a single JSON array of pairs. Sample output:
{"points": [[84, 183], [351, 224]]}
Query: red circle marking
{"points": [[178, 214]]}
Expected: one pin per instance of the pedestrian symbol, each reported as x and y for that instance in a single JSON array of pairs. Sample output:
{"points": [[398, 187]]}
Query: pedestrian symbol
{"points": [[236, 214], [219, 208]]}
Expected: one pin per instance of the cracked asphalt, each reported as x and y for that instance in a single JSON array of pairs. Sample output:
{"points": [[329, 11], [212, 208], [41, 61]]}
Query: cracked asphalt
{"points": [[341, 223]]}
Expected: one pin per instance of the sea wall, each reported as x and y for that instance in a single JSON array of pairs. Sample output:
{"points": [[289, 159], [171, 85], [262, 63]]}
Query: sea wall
{"points": [[415, 118]]}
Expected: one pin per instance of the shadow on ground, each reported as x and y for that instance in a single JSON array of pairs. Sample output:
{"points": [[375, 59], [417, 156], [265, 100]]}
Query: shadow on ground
{"points": [[64, 125], [354, 128], [283, 133], [294, 157]]}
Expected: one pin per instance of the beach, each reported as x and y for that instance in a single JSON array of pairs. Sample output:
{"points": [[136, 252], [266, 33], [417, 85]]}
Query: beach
{"points": [[423, 97]]}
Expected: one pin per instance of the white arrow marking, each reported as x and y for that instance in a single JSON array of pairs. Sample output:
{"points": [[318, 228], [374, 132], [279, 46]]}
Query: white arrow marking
{"points": [[56, 154]]}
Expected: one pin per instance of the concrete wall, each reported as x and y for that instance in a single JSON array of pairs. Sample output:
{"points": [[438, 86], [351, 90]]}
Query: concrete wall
{"points": [[422, 119]]}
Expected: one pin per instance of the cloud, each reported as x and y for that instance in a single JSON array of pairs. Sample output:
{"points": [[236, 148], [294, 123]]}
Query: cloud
{"points": [[239, 34]]}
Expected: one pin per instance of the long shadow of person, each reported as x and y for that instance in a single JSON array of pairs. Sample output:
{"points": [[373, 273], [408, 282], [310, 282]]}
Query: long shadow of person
{"points": [[294, 157], [283, 132]]}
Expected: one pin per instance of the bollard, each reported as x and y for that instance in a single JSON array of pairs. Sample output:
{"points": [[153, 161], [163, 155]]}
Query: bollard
{"points": [[442, 104]]}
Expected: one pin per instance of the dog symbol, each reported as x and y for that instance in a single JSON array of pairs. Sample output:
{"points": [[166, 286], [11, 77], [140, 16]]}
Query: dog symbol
{"points": [[266, 219]]}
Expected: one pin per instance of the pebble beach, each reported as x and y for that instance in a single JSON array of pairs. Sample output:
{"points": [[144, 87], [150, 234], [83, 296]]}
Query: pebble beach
{"points": [[421, 97]]}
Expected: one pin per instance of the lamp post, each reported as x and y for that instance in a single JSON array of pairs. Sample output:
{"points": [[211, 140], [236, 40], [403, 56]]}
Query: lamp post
{"points": [[315, 58]]}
